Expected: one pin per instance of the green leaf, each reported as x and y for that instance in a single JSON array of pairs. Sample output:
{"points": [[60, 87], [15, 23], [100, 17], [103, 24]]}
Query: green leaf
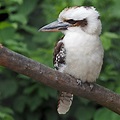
{"points": [[30, 89], [111, 35], [51, 115], [5, 25], [6, 34], [117, 90], [20, 103], [34, 102], [17, 1], [84, 101], [115, 116], [34, 116], [42, 92], [4, 116], [27, 7], [105, 114], [51, 92], [7, 88], [102, 114], [18, 18], [106, 42], [30, 29], [115, 12], [16, 46], [6, 110], [106, 39], [77, 2], [13, 1], [84, 113], [23, 80]]}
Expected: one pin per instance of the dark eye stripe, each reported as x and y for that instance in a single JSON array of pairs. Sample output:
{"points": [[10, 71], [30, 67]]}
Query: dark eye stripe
{"points": [[81, 23], [71, 21]]}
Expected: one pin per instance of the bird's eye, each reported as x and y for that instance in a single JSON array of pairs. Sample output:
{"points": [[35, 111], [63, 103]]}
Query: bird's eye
{"points": [[71, 21], [98, 17]]}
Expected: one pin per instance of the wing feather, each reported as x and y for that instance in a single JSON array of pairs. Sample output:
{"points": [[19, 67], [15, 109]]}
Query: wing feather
{"points": [[59, 55], [65, 99]]}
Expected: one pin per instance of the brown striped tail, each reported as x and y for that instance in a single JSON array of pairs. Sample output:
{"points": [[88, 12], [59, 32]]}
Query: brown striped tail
{"points": [[64, 103]]}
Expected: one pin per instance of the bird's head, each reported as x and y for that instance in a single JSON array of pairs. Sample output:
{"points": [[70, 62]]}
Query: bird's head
{"points": [[76, 19]]}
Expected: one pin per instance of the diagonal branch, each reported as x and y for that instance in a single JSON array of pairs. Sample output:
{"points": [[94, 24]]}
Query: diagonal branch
{"points": [[57, 80]]}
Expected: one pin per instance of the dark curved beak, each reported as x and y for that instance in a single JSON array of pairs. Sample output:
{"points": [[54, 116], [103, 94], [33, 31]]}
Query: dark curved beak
{"points": [[55, 26]]}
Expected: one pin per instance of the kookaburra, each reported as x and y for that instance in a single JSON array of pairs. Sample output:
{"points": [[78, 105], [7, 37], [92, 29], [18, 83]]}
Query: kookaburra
{"points": [[79, 53]]}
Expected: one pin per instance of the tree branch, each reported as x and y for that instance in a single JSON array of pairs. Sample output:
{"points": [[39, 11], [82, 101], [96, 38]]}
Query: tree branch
{"points": [[57, 80]]}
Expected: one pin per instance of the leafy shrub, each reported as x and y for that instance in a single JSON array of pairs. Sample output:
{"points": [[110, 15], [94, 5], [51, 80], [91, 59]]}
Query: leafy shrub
{"points": [[20, 96]]}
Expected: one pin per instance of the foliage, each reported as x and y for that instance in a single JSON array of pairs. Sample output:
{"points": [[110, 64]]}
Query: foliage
{"points": [[21, 97]]}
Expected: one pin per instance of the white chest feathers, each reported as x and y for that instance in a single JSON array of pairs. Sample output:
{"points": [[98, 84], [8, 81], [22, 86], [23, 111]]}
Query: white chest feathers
{"points": [[84, 56]]}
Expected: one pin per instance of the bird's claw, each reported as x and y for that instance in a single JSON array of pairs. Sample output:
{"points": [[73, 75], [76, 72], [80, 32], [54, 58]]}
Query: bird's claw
{"points": [[91, 85], [79, 82]]}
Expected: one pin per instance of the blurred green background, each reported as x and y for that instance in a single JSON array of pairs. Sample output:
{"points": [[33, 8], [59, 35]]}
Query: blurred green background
{"points": [[21, 98]]}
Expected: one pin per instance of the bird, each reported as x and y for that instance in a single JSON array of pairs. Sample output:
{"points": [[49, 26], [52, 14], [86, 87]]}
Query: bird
{"points": [[79, 52]]}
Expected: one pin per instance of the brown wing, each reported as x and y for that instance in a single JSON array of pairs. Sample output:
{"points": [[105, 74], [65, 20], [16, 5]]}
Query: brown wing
{"points": [[65, 99], [59, 55]]}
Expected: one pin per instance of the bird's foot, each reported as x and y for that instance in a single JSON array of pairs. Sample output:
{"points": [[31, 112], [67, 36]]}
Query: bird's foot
{"points": [[79, 82], [91, 85]]}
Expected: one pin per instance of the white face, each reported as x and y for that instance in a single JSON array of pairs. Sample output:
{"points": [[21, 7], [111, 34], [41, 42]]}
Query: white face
{"points": [[85, 18]]}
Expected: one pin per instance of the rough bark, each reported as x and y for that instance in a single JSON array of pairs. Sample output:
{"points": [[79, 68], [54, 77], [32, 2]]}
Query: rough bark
{"points": [[57, 80]]}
